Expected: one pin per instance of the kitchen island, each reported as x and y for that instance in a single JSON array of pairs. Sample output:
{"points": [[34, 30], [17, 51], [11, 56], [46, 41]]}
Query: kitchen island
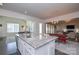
{"points": [[41, 44]]}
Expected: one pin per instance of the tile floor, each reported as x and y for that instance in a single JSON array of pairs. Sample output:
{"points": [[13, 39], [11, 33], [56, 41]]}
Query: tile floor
{"points": [[8, 47], [71, 48]]}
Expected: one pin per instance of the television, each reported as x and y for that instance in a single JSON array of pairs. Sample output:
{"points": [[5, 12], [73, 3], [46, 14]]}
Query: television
{"points": [[70, 26], [0, 25]]}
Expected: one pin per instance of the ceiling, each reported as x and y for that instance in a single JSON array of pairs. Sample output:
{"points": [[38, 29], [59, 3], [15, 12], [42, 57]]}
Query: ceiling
{"points": [[42, 10]]}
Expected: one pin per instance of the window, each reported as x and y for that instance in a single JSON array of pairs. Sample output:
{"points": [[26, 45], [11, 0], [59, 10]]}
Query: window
{"points": [[12, 27], [40, 27], [49, 28], [30, 25]]}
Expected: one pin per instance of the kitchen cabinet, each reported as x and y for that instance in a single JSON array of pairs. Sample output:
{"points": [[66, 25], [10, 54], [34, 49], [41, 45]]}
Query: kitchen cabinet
{"points": [[34, 46]]}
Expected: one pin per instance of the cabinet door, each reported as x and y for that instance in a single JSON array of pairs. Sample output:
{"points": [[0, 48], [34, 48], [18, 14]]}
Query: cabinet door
{"points": [[25, 51], [52, 48], [29, 48], [20, 46]]}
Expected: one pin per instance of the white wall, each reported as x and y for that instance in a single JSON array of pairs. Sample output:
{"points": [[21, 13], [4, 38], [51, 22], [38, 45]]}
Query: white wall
{"points": [[24, 17], [43, 28], [4, 20]]}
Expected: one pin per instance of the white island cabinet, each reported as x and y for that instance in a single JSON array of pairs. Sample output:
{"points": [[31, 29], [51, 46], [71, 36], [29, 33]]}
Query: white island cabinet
{"points": [[36, 45]]}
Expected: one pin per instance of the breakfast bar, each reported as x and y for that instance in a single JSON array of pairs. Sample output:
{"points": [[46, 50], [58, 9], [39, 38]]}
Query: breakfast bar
{"points": [[41, 44]]}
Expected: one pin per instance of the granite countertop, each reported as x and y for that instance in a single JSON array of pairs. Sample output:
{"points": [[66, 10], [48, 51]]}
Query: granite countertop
{"points": [[37, 41]]}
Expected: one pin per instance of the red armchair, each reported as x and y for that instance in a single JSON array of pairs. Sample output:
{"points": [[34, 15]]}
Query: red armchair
{"points": [[61, 37]]}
